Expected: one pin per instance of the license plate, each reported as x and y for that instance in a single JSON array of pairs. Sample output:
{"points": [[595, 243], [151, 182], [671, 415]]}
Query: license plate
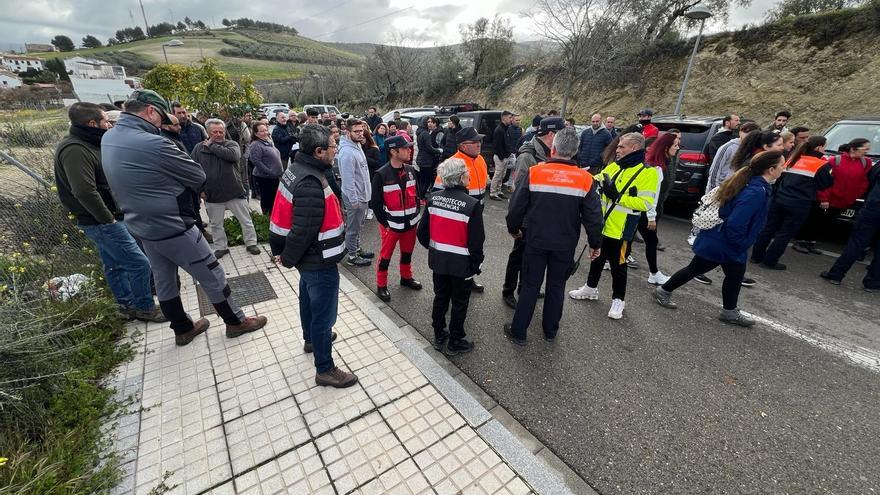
{"points": [[848, 213]]}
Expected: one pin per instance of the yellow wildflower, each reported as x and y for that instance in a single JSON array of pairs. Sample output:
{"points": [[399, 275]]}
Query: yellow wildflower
{"points": [[26, 244], [3, 459]]}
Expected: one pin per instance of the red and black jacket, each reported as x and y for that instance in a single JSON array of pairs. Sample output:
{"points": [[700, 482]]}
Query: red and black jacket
{"points": [[452, 231], [393, 199]]}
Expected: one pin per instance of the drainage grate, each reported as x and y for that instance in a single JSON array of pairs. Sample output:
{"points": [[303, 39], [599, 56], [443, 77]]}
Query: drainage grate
{"points": [[246, 289]]}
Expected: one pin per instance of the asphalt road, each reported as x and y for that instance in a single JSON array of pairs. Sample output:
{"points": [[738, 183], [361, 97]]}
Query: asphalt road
{"points": [[674, 401]]}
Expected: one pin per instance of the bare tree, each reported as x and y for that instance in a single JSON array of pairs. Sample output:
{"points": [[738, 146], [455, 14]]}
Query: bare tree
{"points": [[488, 44], [392, 66], [583, 31], [659, 17]]}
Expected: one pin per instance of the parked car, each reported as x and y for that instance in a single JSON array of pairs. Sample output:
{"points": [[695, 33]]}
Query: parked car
{"points": [[691, 173], [407, 111], [323, 109], [844, 131]]}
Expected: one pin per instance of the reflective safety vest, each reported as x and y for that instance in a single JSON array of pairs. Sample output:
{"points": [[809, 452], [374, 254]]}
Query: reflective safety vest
{"points": [[331, 235], [400, 206], [478, 172], [806, 166], [622, 222], [560, 178], [449, 215]]}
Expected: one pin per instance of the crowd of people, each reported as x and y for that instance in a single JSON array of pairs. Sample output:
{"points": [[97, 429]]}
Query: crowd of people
{"points": [[135, 180]]}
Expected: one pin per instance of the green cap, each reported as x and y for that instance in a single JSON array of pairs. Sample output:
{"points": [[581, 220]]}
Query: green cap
{"points": [[152, 98]]}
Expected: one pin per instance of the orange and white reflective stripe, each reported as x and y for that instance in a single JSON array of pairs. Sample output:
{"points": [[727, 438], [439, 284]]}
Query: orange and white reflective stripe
{"points": [[568, 191], [333, 251], [461, 217], [331, 233], [278, 229], [449, 248], [390, 188]]}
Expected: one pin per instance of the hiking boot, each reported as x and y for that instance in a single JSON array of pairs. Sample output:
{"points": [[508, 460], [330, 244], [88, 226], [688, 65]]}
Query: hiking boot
{"points": [[440, 341], [460, 346], [250, 324], [383, 294], [827, 276], [220, 253], [254, 249], [703, 279], [154, 315], [632, 263], [509, 300], [616, 311], [199, 327], [801, 247], [661, 247], [308, 348], [336, 378], [367, 255], [658, 278], [357, 261], [585, 292], [748, 282], [664, 298], [775, 266], [478, 288], [411, 283], [508, 332], [736, 317]]}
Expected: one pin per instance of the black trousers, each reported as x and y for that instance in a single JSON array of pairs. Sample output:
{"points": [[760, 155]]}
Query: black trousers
{"points": [[512, 280], [454, 290], [536, 262], [614, 252], [783, 222], [267, 187], [819, 224], [651, 243], [425, 179], [733, 277], [865, 232]]}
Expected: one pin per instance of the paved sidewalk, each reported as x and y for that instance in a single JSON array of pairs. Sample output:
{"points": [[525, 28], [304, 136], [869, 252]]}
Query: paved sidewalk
{"points": [[244, 415]]}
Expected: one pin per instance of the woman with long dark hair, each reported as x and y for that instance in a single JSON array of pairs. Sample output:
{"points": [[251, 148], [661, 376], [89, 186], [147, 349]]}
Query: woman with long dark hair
{"points": [[379, 136], [660, 155], [755, 142], [806, 173], [743, 201]]}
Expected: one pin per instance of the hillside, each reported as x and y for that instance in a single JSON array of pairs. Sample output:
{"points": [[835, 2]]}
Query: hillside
{"points": [[821, 67], [261, 55]]}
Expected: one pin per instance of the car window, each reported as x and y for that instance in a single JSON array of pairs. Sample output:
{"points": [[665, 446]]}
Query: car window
{"points": [[693, 136], [844, 133], [466, 122], [488, 123]]}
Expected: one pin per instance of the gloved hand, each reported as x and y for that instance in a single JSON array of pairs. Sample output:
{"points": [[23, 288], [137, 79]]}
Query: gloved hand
{"points": [[609, 189], [633, 191]]}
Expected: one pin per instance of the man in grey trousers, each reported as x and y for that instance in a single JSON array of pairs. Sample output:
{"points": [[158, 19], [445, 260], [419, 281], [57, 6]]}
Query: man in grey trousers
{"points": [[356, 191], [152, 181]]}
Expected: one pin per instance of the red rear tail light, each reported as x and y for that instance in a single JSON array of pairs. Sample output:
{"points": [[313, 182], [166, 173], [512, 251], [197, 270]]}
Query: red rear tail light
{"points": [[693, 158]]}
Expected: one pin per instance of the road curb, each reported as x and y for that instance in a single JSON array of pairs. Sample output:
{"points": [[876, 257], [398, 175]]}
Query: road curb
{"points": [[534, 469]]}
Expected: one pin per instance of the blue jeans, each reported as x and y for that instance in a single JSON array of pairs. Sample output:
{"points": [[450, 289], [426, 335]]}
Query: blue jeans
{"points": [[125, 266], [318, 304]]}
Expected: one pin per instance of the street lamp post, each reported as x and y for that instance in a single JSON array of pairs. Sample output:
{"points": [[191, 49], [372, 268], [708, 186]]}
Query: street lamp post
{"points": [[321, 78], [700, 12], [164, 53]]}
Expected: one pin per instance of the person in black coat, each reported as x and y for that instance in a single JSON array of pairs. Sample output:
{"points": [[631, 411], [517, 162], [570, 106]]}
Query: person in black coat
{"points": [[283, 136], [428, 157], [728, 131], [449, 144]]}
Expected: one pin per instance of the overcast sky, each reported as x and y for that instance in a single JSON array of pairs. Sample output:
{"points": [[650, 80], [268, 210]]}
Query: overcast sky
{"points": [[427, 23]]}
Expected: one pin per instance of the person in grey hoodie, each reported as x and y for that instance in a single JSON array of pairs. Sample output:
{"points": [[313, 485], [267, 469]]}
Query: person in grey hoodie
{"points": [[152, 182], [220, 158], [356, 191]]}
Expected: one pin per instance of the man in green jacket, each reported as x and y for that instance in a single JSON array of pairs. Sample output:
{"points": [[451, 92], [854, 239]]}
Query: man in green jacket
{"points": [[84, 191]]}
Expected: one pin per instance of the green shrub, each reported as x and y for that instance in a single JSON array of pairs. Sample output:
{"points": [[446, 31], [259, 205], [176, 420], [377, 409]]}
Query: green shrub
{"points": [[233, 229], [20, 134]]}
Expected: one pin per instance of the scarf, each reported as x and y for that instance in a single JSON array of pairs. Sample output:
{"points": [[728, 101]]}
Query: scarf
{"points": [[632, 159], [91, 135]]}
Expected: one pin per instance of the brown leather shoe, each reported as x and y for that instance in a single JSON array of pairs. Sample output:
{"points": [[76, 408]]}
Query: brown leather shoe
{"points": [[199, 327], [250, 324], [336, 378]]}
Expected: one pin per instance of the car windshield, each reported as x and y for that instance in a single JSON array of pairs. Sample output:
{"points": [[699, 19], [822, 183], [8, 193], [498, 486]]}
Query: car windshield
{"points": [[693, 136], [845, 132], [466, 122]]}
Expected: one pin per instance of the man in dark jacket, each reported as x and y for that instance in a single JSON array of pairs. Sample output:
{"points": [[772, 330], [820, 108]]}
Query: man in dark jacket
{"points": [[84, 191], [429, 156], [191, 133], [373, 119], [220, 159], [450, 145], [555, 199], [283, 136], [644, 125], [452, 231], [594, 140], [729, 130], [153, 182], [529, 134], [501, 155], [311, 238]]}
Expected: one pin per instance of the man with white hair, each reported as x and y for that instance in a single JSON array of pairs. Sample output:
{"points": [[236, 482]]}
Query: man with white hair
{"points": [[224, 190], [452, 231], [554, 199]]}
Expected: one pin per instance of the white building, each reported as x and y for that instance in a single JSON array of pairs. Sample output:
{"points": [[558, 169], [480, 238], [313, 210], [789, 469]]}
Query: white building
{"points": [[90, 68], [8, 80], [18, 63]]}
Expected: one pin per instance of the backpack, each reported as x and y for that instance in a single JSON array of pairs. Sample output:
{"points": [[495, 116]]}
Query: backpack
{"points": [[706, 215]]}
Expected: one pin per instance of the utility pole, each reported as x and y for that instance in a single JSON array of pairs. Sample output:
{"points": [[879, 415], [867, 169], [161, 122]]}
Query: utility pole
{"points": [[146, 25]]}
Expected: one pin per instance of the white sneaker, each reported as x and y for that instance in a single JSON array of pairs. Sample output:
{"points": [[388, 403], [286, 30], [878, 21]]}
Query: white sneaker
{"points": [[369, 214], [691, 239], [607, 266], [585, 292], [616, 311], [658, 278]]}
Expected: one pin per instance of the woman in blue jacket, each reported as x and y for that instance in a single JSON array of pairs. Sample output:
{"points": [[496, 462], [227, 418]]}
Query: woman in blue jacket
{"points": [[380, 134], [744, 200]]}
